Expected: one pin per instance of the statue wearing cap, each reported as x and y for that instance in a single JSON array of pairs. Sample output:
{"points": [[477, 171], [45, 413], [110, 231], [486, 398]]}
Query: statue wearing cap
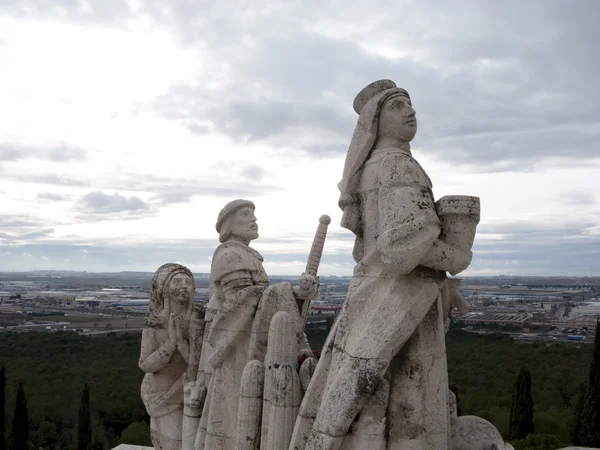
{"points": [[381, 382], [241, 306]]}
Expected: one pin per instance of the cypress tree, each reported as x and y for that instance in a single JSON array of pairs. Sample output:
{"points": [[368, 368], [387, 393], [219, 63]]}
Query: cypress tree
{"points": [[578, 422], [454, 389], [20, 424], [521, 409], [590, 428], [2, 409], [84, 426]]}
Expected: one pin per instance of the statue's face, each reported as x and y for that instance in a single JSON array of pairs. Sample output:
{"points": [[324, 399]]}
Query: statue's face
{"points": [[244, 224], [398, 119], [181, 293]]}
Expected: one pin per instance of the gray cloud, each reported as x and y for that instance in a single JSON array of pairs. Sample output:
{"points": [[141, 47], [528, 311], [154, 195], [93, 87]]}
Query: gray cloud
{"points": [[52, 197], [540, 227], [486, 98], [99, 202], [55, 153], [48, 179], [105, 11], [514, 87], [11, 221], [578, 256], [169, 192], [254, 173], [32, 235], [579, 198]]}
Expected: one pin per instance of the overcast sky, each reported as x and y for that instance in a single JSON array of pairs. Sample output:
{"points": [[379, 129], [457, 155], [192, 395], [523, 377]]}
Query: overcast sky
{"points": [[125, 125]]}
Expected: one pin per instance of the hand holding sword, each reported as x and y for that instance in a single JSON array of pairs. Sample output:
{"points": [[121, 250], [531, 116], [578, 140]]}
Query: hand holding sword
{"points": [[308, 288]]}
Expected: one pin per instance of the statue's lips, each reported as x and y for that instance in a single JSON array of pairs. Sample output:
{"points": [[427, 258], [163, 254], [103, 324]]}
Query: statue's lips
{"points": [[184, 295]]}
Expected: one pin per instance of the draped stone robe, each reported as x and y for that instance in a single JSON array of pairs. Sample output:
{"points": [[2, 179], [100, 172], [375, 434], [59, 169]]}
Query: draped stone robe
{"points": [[238, 316], [382, 382]]}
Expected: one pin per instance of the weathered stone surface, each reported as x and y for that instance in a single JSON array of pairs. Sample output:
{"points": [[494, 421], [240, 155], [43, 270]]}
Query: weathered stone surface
{"points": [[131, 447], [307, 369], [250, 406], [165, 352], [282, 408], [475, 433], [382, 377], [233, 381], [579, 448], [239, 334]]}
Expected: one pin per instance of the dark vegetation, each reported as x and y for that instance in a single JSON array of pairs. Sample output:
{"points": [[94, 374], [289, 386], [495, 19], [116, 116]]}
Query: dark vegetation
{"points": [[484, 368], [55, 367], [590, 422], [521, 408], [84, 424]]}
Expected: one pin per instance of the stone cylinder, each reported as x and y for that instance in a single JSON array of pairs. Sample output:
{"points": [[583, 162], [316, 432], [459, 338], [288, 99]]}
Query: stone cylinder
{"points": [[459, 216], [307, 369], [250, 406], [286, 397], [282, 349]]}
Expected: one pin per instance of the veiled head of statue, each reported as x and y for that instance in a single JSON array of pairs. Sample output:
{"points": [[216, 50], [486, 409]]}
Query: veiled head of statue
{"points": [[172, 291], [387, 110], [397, 119]]}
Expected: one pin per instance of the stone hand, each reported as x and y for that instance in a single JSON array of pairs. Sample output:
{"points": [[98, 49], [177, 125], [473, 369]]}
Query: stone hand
{"points": [[172, 329], [194, 394], [179, 328], [308, 287]]}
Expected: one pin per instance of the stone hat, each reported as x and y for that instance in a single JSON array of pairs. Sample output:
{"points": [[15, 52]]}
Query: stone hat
{"points": [[373, 89], [230, 207]]}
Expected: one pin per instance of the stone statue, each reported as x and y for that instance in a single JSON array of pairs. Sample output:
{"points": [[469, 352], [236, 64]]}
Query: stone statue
{"points": [[165, 352], [381, 382], [236, 329]]}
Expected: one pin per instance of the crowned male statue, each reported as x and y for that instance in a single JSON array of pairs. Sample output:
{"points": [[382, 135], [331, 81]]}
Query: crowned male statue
{"points": [[382, 381]]}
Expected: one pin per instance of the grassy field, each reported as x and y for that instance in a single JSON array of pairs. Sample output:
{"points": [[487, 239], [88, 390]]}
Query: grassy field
{"points": [[96, 321]]}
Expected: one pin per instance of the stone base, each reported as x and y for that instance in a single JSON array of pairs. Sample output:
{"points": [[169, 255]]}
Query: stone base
{"points": [[579, 448], [131, 447]]}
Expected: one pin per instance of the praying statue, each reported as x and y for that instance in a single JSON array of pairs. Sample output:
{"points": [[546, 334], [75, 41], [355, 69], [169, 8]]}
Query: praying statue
{"points": [[381, 382], [165, 353]]}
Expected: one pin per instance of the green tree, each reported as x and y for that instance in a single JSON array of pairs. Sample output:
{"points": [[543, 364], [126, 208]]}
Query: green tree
{"points": [[46, 436], [84, 426], [578, 420], [454, 389], [590, 428], [2, 409], [19, 436], [138, 433], [537, 442], [521, 409]]}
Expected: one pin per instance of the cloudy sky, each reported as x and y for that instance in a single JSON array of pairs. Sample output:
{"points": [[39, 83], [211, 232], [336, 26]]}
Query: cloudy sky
{"points": [[125, 125]]}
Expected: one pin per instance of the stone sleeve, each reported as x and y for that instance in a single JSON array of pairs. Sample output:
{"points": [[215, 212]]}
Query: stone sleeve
{"points": [[233, 322], [408, 223], [235, 281], [152, 356]]}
